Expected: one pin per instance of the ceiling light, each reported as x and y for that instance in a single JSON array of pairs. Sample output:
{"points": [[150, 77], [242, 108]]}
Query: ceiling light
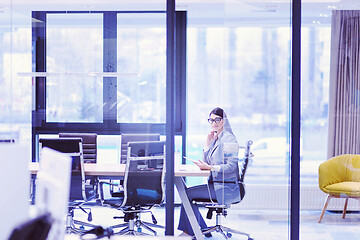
{"points": [[331, 7]]}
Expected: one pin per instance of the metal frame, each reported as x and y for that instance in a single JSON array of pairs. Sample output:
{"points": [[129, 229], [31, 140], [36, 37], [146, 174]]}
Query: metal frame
{"points": [[295, 120], [170, 115]]}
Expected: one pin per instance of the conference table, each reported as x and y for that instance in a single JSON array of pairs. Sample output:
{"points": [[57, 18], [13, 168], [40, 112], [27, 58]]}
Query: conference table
{"points": [[113, 170]]}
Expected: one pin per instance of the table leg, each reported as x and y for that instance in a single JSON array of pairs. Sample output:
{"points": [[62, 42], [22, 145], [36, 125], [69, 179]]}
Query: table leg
{"points": [[180, 186], [32, 188]]}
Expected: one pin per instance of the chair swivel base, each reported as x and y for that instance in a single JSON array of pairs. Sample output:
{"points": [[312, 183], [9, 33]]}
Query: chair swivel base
{"points": [[225, 231], [130, 228], [77, 227]]}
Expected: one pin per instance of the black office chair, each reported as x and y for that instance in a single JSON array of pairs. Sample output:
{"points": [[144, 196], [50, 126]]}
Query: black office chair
{"points": [[143, 187], [132, 137], [221, 209], [82, 188], [36, 228], [89, 144]]}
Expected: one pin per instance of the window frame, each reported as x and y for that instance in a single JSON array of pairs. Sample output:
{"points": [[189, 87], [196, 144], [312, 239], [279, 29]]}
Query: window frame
{"points": [[109, 125]]}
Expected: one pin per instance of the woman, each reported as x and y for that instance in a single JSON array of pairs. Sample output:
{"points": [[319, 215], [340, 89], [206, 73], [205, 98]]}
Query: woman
{"points": [[222, 184]]}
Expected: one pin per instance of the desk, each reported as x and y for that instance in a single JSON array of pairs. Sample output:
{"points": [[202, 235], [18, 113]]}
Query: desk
{"points": [[122, 237], [119, 170], [113, 170]]}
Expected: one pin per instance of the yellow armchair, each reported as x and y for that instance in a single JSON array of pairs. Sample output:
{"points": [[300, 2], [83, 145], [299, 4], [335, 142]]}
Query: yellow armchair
{"points": [[339, 177]]}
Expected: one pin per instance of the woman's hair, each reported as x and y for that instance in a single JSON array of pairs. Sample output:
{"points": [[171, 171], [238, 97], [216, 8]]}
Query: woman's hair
{"points": [[217, 111]]}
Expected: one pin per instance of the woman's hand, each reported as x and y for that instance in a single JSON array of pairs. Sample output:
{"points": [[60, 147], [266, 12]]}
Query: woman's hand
{"points": [[203, 165], [212, 136]]}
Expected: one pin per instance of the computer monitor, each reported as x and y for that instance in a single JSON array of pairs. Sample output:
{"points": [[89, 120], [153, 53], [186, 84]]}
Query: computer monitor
{"points": [[129, 137], [148, 149]]}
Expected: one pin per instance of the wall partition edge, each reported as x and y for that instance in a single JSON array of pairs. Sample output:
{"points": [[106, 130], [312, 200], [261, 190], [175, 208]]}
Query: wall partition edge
{"points": [[295, 120], [110, 65], [170, 116], [180, 77], [38, 43]]}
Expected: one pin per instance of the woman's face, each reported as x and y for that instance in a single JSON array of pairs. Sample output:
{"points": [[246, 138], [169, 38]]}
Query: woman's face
{"points": [[217, 123]]}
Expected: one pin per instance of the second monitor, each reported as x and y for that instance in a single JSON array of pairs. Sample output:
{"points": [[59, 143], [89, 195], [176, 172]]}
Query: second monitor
{"points": [[130, 137]]}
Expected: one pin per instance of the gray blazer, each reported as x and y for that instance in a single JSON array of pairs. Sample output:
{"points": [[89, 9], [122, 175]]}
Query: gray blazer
{"points": [[225, 181]]}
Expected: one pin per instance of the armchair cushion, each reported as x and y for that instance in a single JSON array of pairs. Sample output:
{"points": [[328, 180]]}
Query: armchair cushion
{"points": [[351, 189]]}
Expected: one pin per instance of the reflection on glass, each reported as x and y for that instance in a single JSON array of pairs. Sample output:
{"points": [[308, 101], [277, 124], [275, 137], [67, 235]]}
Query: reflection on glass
{"points": [[74, 51]]}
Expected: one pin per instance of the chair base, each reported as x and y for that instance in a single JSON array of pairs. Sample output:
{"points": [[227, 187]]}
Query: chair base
{"points": [[138, 224], [225, 231], [327, 201], [72, 225]]}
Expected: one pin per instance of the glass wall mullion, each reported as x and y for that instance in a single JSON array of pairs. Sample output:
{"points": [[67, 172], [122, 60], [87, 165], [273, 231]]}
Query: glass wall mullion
{"points": [[110, 65], [295, 120]]}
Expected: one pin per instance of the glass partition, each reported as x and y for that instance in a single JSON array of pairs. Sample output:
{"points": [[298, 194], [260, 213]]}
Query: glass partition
{"points": [[329, 126], [239, 59], [100, 67], [82, 67], [15, 58]]}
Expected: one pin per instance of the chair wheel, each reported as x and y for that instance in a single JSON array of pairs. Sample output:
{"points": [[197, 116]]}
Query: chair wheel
{"points": [[228, 234], [250, 238]]}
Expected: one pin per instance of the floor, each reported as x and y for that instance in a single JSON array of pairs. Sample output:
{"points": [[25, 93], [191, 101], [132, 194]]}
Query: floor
{"points": [[260, 224]]}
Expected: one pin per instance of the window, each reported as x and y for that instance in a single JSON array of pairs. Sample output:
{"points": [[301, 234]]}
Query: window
{"points": [[141, 64], [74, 49], [245, 70]]}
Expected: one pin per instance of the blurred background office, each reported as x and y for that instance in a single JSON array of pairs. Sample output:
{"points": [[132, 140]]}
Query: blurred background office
{"points": [[81, 66]]}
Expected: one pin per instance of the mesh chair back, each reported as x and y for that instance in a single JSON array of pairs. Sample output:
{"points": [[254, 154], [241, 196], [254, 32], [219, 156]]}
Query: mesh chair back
{"points": [[73, 147], [247, 157], [89, 144], [243, 168], [126, 138], [144, 175]]}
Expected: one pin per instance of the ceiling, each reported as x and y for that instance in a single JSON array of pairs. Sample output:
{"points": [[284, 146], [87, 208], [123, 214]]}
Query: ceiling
{"points": [[244, 12]]}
